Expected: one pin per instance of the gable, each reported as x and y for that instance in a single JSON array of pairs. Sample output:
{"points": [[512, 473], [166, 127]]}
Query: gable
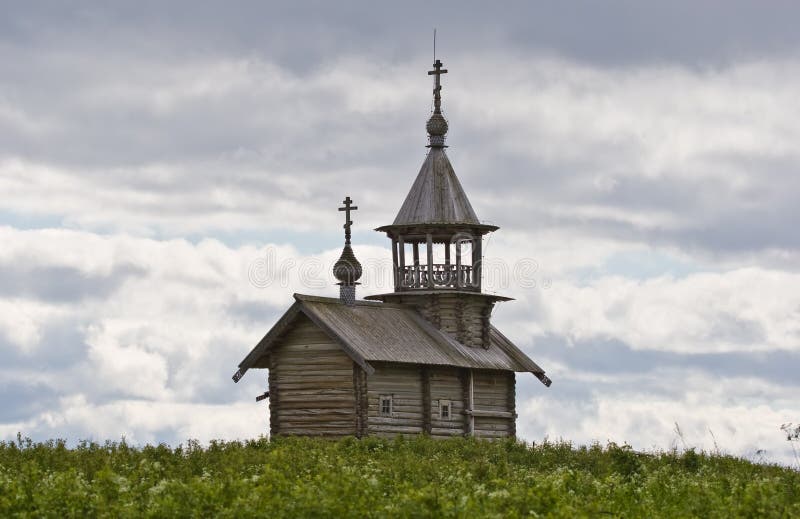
{"points": [[382, 332]]}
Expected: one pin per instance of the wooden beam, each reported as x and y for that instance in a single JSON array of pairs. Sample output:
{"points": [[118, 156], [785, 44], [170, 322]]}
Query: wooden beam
{"points": [[395, 267], [430, 260], [477, 261], [274, 418], [471, 403], [512, 403], [489, 414], [447, 261], [415, 247], [401, 245], [426, 399], [458, 264], [361, 402], [464, 379]]}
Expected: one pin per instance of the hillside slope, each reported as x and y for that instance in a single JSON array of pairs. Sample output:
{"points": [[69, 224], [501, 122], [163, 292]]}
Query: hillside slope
{"points": [[376, 478]]}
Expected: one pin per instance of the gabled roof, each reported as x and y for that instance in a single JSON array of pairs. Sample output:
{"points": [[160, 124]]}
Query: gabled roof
{"points": [[436, 197], [382, 332]]}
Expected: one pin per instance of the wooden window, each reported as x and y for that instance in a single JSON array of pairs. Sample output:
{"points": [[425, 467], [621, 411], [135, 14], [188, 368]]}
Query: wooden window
{"points": [[445, 409], [386, 405]]}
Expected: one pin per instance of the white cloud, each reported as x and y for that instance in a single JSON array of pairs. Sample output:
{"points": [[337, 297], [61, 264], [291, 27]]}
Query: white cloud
{"points": [[745, 310], [738, 416], [142, 422], [668, 150]]}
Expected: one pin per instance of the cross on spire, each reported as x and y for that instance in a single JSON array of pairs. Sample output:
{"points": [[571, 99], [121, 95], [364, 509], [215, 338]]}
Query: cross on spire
{"points": [[348, 206], [437, 86]]}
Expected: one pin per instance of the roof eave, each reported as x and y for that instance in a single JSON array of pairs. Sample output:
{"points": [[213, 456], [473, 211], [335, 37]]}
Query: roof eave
{"points": [[396, 229], [266, 343]]}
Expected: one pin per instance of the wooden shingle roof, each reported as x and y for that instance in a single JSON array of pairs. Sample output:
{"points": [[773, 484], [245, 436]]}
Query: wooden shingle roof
{"points": [[436, 197], [381, 332]]}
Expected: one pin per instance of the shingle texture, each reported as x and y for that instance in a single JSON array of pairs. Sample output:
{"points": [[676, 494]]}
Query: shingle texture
{"points": [[436, 197], [382, 332]]}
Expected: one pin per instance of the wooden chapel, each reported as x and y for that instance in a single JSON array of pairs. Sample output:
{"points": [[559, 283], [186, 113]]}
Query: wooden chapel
{"points": [[423, 359]]}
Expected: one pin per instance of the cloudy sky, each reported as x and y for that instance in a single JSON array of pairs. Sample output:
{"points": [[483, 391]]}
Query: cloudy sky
{"points": [[170, 173]]}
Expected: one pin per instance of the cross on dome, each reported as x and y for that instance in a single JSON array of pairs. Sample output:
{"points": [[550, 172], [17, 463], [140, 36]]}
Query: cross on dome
{"points": [[348, 206], [437, 125], [437, 85]]}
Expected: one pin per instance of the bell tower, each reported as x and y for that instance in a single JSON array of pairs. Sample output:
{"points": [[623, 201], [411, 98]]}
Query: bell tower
{"points": [[437, 244]]}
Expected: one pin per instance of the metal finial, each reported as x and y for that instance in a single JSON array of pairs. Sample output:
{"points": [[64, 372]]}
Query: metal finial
{"points": [[437, 124], [437, 85], [347, 222]]}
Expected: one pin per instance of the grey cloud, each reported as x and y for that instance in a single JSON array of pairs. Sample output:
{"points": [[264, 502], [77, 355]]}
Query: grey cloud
{"points": [[20, 402], [62, 346], [303, 33], [59, 284], [615, 358]]}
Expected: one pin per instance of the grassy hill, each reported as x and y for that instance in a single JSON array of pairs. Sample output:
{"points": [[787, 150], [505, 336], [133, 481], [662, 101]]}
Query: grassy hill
{"points": [[376, 478]]}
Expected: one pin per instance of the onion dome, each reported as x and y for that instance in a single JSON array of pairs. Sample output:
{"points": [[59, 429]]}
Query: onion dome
{"points": [[347, 269], [437, 129]]}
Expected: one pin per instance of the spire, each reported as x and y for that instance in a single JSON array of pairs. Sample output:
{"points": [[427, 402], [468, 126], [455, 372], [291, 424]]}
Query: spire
{"points": [[436, 197], [437, 124], [347, 269]]}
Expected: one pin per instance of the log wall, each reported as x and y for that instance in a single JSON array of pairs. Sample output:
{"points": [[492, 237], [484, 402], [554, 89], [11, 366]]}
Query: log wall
{"points": [[311, 380], [492, 390], [446, 384], [463, 315], [404, 384]]}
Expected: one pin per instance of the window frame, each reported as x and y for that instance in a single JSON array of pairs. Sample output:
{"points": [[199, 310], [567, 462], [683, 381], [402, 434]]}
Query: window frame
{"points": [[381, 400], [445, 404]]}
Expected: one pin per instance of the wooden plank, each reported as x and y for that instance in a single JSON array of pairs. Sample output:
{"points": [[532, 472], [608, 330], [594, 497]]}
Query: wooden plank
{"points": [[321, 421], [426, 391], [288, 372], [489, 414], [397, 416], [316, 412], [361, 401], [306, 403], [395, 429], [274, 399], [430, 260], [321, 385], [396, 422], [314, 432], [449, 432]]}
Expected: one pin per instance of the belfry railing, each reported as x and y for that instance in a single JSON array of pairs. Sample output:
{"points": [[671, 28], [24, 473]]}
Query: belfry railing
{"points": [[443, 275]]}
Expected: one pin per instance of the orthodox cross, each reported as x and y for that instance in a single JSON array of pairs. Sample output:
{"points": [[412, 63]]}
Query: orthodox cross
{"points": [[348, 206], [437, 87]]}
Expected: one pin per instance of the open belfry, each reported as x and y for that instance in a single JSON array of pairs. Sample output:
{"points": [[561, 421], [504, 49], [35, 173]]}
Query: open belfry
{"points": [[423, 359]]}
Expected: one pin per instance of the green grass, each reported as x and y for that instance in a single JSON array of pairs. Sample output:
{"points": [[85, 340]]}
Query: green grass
{"points": [[378, 478]]}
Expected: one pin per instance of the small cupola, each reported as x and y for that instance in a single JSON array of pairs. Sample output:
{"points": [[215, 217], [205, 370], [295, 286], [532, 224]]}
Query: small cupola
{"points": [[347, 269], [437, 217]]}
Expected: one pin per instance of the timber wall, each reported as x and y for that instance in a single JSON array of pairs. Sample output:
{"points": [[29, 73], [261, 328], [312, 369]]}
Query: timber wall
{"points": [[404, 384], [494, 393], [311, 384], [465, 316], [447, 384]]}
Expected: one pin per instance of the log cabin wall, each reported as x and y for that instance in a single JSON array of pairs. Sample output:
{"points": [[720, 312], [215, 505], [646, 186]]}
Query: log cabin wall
{"points": [[494, 408], [446, 386], [404, 384], [311, 380], [464, 316]]}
